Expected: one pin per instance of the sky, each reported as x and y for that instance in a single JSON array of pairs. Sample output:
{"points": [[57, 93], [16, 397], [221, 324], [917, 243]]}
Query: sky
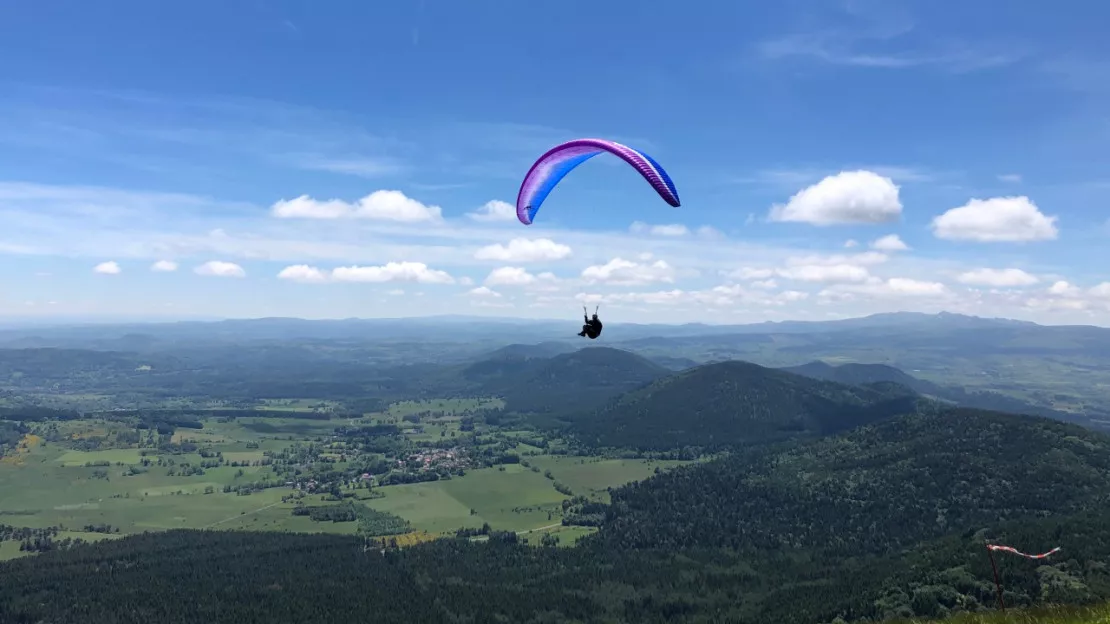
{"points": [[834, 158]]}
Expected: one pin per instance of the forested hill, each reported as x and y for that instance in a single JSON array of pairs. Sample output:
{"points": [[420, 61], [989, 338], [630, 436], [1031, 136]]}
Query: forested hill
{"points": [[857, 374], [736, 403], [873, 490], [853, 373], [584, 379]]}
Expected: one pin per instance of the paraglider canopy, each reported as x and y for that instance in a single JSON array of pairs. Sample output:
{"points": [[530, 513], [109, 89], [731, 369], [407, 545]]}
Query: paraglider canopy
{"points": [[554, 165]]}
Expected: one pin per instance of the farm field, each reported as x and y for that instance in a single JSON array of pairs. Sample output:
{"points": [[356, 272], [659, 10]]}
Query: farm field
{"points": [[58, 483]]}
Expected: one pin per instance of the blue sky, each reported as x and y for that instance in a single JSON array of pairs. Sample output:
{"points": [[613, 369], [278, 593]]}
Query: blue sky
{"points": [[338, 159]]}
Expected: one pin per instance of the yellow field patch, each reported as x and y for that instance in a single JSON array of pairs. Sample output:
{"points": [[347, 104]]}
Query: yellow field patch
{"points": [[405, 539], [22, 449]]}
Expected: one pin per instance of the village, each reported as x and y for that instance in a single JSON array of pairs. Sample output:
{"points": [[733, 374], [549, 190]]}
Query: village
{"points": [[435, 459]]}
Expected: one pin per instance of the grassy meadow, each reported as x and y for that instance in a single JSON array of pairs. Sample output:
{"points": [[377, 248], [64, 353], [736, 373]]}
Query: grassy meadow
{"points": [[44, 484]]}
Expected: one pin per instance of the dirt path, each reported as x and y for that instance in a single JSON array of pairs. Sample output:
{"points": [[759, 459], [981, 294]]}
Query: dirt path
{"points": [[241, 515]]}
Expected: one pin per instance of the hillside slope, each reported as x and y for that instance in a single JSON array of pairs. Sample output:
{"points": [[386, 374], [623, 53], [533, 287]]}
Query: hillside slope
{"points": [[736, 403], [854, 374], [874, 489], [584, 379]]}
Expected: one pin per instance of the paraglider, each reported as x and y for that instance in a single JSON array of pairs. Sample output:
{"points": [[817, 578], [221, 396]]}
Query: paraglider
{"points": [[558, 161], [591, 327]]}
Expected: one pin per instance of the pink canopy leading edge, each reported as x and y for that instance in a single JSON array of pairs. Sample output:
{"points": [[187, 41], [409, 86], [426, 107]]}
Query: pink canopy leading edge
{"points": [[554, 165]]}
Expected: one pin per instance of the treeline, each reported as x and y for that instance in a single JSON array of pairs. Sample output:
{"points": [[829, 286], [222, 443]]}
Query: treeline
{"points": [[191, 415], [34, 413]]}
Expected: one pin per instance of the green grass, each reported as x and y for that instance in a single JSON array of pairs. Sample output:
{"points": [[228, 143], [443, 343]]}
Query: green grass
{"points": [[516, 499], [590, 476], [80, 458], [53, 487], [451, 406], [10, 550]]}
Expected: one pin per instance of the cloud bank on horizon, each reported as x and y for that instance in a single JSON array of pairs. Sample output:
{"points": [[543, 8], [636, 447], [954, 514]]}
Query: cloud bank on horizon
{"points": [[834, 161]]}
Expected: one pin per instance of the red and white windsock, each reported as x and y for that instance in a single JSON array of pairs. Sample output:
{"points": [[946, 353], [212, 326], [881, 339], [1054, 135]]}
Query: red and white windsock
{"points": [[1017, 552]]}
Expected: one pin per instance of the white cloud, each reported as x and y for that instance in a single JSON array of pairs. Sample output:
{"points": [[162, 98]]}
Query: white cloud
{"points": [[847, 197], [1064, 289], [379, 205], [417, 272], [482, 291], [303, 273], [494, 211], [718, 297], [708, 231], [164, 266], [826, 273], [218, 268], [999, 219], [1102, 290], [525, 250], [866, 258], [1010, 177], [998, 278], [621, 272], [906, 286], [107, 268], [510, 276], [673, 229], [895, 286], [848, 244], [890, 242], [765, 284], [749, 273]]}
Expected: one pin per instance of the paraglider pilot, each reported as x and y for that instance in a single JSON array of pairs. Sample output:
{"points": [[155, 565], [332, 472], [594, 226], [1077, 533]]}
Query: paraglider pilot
{"points": [[592, 326]]}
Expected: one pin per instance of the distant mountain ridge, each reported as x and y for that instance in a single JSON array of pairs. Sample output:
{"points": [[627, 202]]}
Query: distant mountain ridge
{"points": [[856, 374]]}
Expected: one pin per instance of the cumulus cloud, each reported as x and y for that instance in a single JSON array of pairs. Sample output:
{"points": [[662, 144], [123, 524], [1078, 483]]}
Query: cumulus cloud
{"points": [[749, 273], [848, 244], [998, 278], [510, 276], [912, 287], [484, 292], [379, 205], [769, 284], [1064, 289], [107, 268], [890, 242], [417, 272], [494, 211], [303, 273], [892, 287], [525, 250], [825, 273], [866, 258], [218, 268], [1102, 290], [725, 296], [621, 272], [999, 219], [673, 229], [847, 197], [164, 266]]}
